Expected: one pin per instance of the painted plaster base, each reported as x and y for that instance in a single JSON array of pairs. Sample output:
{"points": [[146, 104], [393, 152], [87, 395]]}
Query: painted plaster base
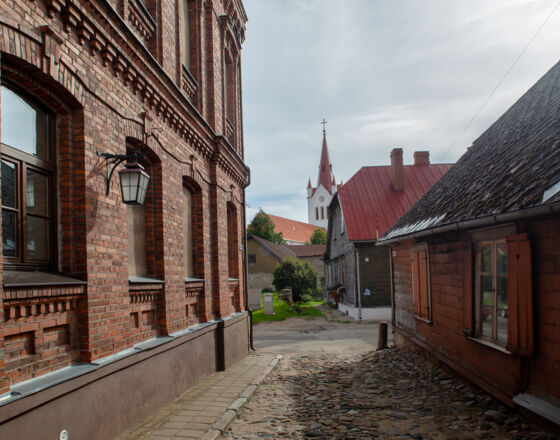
{"points": [[119, 394], [368, 313]]}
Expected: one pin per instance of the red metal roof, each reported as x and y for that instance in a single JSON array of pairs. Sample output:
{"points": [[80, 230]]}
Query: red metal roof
{"points": [[370, 204], [292, 229]]}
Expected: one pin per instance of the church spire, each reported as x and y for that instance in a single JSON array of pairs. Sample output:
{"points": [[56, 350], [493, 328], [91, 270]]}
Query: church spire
{"points": [[326, 176]]}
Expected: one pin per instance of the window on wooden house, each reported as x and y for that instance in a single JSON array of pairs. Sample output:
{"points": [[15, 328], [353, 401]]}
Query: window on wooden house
{"points": [[421, 289], [28, 182], [343, 270], [501, 311], [491, 290], [252, 259]]}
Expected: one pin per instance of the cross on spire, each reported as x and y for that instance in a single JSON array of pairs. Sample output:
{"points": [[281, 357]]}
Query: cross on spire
{"points": [[324, 122]]}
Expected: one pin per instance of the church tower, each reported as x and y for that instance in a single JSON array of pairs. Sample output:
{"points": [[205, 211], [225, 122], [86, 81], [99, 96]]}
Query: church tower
{"points": [[319, 198]]}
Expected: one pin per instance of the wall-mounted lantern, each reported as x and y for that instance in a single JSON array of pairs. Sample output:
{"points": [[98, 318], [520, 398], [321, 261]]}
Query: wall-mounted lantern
{"points": [[134, 180]]}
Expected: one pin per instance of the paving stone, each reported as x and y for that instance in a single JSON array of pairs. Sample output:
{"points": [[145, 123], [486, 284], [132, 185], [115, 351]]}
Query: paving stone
{"points": [[390, 394]]}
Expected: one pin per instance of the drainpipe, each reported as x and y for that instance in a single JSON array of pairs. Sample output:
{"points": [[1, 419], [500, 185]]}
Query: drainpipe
{"points": [[357, 256], [392, 279], [246, 266]]}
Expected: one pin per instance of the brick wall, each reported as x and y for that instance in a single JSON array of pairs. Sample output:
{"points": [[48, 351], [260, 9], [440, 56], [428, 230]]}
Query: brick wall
{"points": [[111, 85]]}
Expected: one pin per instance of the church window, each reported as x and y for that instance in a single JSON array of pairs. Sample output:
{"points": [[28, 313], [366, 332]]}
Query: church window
{"points": [[322, 212], [316, 213]]}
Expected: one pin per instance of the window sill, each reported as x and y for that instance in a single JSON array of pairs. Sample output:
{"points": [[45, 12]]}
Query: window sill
{"points": [[14, 279], [193, 280], [491, 344], [424, 320], [133, 279]]}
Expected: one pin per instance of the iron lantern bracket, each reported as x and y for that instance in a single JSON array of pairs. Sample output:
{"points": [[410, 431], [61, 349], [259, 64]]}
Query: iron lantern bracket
{"points": [[116, 160]]}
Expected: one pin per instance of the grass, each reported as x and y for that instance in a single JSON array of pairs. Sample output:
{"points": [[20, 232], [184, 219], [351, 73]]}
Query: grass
{"points": [[283, 310]]}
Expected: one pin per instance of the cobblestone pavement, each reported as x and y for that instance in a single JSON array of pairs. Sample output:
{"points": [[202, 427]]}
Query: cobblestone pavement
{"points": [[390, 394]]}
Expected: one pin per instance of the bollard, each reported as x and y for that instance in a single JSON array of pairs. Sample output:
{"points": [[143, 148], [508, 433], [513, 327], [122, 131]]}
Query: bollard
{"points": [[382, 336]]}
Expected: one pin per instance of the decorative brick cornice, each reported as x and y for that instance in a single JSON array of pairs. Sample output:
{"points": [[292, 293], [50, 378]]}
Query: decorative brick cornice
{"points": [[230, 162], [136, 75], [141, 20]]}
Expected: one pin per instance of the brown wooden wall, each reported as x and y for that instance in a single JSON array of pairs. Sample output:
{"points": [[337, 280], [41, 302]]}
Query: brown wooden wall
{"points": [[266, 262], [502, 374]]}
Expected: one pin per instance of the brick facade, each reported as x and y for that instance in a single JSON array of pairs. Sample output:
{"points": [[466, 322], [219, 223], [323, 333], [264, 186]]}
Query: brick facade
{"points": [[111, 75]]}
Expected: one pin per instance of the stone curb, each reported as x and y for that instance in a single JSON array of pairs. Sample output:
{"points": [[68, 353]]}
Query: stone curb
{"points": [[230, 414]]}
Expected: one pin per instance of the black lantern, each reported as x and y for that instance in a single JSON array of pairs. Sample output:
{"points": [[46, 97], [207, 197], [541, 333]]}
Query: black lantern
{"points": [[134, 180], [134, 183]]}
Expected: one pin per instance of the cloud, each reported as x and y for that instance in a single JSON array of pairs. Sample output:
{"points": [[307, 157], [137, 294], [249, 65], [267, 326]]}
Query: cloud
{"points": [[384, 74]]}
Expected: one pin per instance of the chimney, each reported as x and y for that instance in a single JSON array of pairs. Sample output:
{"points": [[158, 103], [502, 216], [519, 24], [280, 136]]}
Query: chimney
{"points": [[421, 158], [397, 169]]}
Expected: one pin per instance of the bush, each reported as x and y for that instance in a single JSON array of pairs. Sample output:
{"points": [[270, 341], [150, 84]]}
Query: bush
{"points": [[306, 297], [298, 275], [268, 290]]}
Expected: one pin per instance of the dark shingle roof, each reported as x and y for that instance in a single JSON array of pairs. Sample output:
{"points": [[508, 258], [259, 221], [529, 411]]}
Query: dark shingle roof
{"points": [[278, 250], [307, 250], [510, 167]]}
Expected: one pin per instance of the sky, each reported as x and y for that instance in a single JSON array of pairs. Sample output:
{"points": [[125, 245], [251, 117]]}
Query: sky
{"points": [[384, 74]]}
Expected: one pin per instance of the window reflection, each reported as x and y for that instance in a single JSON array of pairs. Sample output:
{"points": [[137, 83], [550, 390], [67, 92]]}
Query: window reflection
{"points": [[24, 126]]}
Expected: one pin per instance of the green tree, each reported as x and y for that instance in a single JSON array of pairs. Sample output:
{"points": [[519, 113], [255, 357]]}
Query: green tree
{"points": [[297, 274], [263, 226], [319, 236]]}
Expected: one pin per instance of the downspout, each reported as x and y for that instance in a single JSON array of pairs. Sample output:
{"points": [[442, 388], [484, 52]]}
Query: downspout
{"points": [[357, 257], [246, 265], [392, 289]]}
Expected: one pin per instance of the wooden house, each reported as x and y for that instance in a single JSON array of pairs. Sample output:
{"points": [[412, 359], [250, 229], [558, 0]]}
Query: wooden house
{"points": [[263, 257], [476, 261], [359, 214]]}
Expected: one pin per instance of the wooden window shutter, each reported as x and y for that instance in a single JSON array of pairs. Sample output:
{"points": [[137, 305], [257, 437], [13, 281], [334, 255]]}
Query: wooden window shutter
{"points": [[423, 280], [468, 303], [416, 283], [520, 295]]}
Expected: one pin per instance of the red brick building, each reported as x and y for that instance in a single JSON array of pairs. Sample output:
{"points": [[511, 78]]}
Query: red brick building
{"points": [[108, 309], [475, 263]]}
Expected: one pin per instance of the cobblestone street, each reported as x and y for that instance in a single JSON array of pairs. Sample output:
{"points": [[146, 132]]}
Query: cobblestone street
{"points": [[390, 394]]}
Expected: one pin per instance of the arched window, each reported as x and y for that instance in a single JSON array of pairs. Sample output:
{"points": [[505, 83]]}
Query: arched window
{"points": [[233, 246], [28, 181], [184, 33], [316, 213], [192, 230], [144, 223]]}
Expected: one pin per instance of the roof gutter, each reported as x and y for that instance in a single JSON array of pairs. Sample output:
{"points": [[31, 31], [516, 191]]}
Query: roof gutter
{"points": [[477, 222]]}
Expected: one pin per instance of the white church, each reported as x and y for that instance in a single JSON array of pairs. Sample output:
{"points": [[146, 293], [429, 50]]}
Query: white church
{"points": [[319, 197]]}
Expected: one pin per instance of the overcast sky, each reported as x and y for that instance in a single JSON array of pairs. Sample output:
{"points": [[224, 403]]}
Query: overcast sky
{"points": [[384, 74]]}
